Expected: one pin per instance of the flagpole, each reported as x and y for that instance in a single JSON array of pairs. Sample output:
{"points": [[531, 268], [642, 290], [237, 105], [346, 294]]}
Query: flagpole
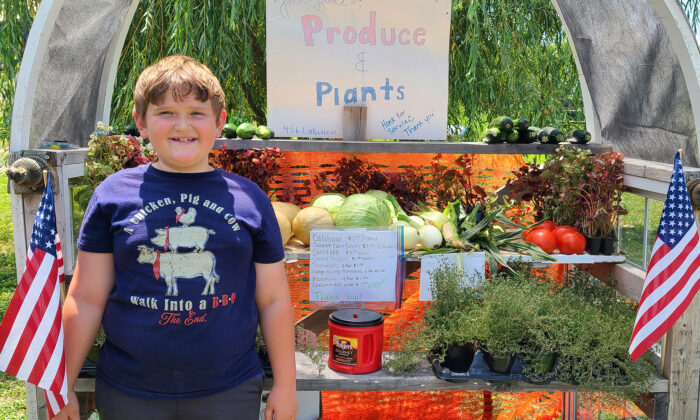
{"points": [[45, 174]]}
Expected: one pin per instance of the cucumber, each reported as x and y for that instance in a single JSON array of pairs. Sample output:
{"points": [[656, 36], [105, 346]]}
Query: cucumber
{"points": [[503, 123], [491, 136], [522, 124], [131, 130], [578, 136]]}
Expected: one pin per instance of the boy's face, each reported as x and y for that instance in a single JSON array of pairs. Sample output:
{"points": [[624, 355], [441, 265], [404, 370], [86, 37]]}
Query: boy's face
{"points": [[182, 133]]}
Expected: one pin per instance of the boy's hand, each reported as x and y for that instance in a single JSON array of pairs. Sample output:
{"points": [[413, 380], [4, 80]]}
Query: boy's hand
{"points": [[281, 403], [71, 411]]}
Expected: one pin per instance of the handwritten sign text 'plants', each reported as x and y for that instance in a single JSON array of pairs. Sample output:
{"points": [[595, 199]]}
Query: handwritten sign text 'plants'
{"points": [[353, 266], [390, 56]]}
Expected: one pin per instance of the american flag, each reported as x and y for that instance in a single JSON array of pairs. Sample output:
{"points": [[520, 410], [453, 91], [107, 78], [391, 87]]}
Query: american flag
{"points": [[673, 275], [31, 332]]}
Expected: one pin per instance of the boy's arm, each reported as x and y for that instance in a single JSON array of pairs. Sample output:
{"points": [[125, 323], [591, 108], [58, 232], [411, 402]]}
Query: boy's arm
{"points": [[277, 325], [87, 295]]}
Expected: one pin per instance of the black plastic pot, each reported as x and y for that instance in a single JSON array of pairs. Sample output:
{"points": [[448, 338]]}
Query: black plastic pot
{"points": [[607, 245], [458, 358], [498, 365], [593, 244], [540, 367]]}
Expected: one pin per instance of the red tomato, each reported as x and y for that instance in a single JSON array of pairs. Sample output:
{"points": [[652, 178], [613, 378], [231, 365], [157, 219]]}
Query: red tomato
{"points": [[549, 225], [561, 229], [525, 233], [571, 243], [544, 239]]}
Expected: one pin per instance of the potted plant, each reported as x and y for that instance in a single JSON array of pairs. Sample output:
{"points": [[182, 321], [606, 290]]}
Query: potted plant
{"points": [[594, 340], [517, 317], [548, 186], [449, 319], [600, 201]]}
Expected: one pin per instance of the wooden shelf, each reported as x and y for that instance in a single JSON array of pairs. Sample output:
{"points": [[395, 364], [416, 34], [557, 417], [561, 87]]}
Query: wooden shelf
{"points": [[403, 146], [308, 379], [59, 157]]}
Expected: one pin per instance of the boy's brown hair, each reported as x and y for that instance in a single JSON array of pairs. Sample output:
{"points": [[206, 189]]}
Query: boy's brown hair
{"points": [[180, 75]]}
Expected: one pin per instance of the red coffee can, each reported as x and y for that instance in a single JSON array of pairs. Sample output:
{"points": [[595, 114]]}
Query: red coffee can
{"points": [[355, 340]]}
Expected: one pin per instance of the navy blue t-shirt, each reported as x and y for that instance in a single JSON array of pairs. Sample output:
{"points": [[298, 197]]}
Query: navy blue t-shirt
{"points": [[181, 319]]}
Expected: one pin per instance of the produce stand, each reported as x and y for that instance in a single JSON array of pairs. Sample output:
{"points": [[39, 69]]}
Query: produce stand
{"points": [[63, 162], [52, 48], [308, 379]]}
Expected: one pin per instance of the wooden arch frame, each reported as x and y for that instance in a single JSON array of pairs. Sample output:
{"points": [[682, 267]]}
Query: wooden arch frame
{"points": [[669, 11]]}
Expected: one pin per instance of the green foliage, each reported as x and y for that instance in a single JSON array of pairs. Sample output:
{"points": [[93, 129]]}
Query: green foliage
{"points": [[567, 168], [229, 37], [511, 58], [507, 57], [108, 154], [15, 20], [12, 405]]}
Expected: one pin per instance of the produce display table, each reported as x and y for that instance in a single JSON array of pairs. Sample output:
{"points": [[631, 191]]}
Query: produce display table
{"points": [[308, 379]]}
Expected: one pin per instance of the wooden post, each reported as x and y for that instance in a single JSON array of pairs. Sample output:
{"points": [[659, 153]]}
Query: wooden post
{"points": [[682, 357], [354, 123]]}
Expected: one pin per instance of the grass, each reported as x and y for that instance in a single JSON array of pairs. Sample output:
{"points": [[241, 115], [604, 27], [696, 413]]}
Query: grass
{"points": [[632, 234], [12, 394]]}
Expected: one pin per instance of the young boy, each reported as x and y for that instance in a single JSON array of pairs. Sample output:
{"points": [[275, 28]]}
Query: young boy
{"points": [[178, 261]]}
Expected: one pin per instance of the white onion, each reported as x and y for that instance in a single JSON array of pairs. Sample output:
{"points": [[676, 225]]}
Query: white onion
{"points": [[430, 236], [418, 220], [410, 237]]}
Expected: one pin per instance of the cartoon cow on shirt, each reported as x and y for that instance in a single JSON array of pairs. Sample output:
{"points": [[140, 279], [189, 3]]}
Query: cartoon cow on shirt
{"points": [[172, 266]]}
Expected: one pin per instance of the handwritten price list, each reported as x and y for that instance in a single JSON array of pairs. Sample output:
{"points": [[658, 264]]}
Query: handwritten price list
{"points": [[353, 265]]}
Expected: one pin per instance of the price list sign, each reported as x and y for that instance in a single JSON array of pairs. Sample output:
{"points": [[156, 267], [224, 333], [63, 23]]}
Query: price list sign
{"points": [[353, 266]]}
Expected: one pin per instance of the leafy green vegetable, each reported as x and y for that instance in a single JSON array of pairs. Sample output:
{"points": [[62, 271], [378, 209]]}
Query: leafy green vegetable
{"points": [[329, 201], [363, 210]]}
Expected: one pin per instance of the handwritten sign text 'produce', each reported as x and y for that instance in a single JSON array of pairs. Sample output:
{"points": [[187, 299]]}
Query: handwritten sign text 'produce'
{"points": [[388, 55], [354, 266]]}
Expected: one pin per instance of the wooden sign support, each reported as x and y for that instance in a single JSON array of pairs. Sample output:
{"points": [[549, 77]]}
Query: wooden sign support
{"points": [[682, 354], [354, 123]]}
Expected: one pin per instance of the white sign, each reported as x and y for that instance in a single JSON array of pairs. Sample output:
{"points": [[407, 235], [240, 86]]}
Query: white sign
{"points": [[354, 266], [388, 55], [474, 266]]}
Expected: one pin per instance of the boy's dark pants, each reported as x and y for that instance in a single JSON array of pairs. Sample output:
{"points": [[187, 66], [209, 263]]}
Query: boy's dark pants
{"points": [[241, 403]]}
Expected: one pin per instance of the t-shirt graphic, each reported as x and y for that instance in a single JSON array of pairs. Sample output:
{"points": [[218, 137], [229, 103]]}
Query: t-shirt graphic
{"points": [[175, 265], [181, 319]]}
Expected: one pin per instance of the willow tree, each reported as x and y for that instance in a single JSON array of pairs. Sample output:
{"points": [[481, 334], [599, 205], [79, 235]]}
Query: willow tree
{"points": [[15, 20], [506, 57], [227, 36]]}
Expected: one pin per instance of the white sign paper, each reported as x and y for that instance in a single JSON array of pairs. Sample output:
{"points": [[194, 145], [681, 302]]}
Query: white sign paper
{"points": [[388, 55], [474, 266], [355, 266]]}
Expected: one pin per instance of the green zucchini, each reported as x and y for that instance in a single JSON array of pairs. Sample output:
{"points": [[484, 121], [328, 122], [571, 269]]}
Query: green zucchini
{"points": [[555, 136], [522, 124], [491, 136], [503, 123], [543, 135], [578, 136]]}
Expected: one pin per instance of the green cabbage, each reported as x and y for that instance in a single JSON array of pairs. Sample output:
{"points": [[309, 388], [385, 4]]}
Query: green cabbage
{"points": [[329, 201], [363, 210]]}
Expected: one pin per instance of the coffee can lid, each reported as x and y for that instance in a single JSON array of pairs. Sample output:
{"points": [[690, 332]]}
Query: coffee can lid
{"points": [[357, 317]]}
